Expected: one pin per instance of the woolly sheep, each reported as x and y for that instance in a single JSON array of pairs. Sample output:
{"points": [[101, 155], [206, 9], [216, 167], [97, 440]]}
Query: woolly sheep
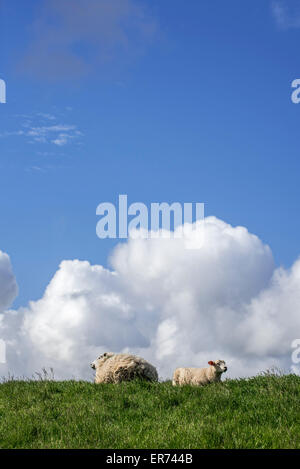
{"points": [[200, 376], [114, 368]]}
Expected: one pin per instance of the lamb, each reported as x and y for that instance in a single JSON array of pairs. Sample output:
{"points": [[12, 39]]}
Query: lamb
{"points": [[114, 368], [200, 376]]}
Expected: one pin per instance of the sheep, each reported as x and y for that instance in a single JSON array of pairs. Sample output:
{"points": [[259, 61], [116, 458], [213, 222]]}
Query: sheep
{"points": [[200, 376], [114, 368]]}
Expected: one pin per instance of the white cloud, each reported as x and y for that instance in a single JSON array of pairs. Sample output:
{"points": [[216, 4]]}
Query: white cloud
{"points": [[172, 305]]}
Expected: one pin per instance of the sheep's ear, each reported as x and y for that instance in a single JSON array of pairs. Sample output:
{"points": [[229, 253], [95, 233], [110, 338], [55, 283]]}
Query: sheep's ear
{"points": [[211, 363]]}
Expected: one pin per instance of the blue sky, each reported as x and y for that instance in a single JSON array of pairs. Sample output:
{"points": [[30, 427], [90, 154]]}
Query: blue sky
{"points": [[170, 101]]}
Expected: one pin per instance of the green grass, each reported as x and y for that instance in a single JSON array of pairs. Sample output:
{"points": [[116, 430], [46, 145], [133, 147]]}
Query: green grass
{"points": [[261, 412]]}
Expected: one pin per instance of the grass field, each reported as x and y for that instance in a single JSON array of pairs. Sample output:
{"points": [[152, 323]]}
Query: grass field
{"points": [[261, 412]]}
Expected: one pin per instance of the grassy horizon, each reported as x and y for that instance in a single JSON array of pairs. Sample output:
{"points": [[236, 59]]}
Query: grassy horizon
{"points": [[258, 412]]}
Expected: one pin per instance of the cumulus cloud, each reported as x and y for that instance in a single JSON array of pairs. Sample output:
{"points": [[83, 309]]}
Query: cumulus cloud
{"points": [[70, 37], [172, 305]]}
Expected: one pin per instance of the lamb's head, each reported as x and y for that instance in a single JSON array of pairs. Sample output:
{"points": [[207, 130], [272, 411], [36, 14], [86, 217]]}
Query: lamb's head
{"points": [[101, 360], [219, 365]]}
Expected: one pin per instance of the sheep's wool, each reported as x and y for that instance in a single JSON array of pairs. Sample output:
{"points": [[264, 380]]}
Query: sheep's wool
{"points": [[114, 368]]}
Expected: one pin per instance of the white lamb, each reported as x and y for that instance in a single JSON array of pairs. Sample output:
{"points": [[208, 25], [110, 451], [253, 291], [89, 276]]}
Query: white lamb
{"points": [[200, 376], [114, 368]]}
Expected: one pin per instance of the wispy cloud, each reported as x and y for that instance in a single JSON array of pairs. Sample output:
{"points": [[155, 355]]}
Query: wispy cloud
{"points": [[34, 132], [37, 168], [7, 133], [69, 38], [57, 134], [46, 116], [286, 15]]}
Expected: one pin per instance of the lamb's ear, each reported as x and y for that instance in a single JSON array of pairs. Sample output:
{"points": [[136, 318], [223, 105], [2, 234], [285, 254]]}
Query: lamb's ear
{"points": [[211, 363]]}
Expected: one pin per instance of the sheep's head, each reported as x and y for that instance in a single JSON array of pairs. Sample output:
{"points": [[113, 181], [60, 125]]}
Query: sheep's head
{"points": [[101, 360], [219, 365]]}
